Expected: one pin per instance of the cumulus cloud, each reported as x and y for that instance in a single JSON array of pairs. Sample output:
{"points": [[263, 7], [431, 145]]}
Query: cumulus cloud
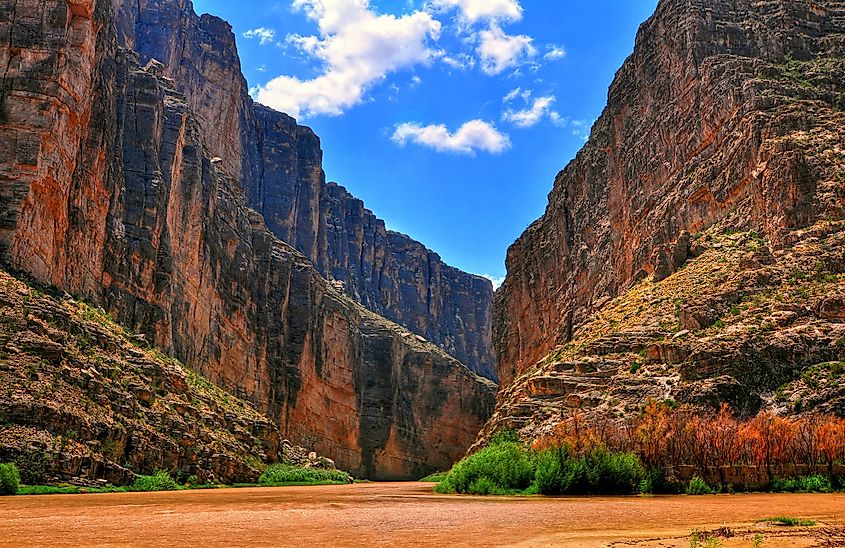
{"points": [[497, 51], [530, 116], [475, 10], [357, 47], [497, 282], [472, 136], [500, 51], [264, 36], [554, 52]]}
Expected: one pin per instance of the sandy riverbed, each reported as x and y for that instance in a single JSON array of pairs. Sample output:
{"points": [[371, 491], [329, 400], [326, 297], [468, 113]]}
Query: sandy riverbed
{"points": [[399, 514]]}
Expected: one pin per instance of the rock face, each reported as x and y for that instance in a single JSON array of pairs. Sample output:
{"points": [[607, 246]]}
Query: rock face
{"points": [[110, 191], [727, 114], [279, 165], [82, 399]]}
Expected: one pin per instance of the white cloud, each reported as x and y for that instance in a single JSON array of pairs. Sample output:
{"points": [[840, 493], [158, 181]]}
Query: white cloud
{"points": [[500, 51], [475, 10], [460, 61], [497, 282], [554, 53], [517, 92], [357, 47], [415, 81], [264, 36], [541, 108], [470, 137]]}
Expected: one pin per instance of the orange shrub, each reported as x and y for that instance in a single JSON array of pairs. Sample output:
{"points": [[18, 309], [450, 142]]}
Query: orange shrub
{"points": [[662, 435]]}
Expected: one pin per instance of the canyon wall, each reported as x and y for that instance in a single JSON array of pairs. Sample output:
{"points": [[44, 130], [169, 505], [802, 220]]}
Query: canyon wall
{"points": [[279, 164], [697, 126], [109, 189], [692, 249]]}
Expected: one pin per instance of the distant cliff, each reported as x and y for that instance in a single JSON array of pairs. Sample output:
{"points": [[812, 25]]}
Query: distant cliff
{"points": [[113, 190], [726, 119], [279, 164]]}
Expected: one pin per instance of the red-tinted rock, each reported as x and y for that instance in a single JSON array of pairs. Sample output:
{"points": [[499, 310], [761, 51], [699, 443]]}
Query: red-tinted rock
{"points": [[109, 190]]}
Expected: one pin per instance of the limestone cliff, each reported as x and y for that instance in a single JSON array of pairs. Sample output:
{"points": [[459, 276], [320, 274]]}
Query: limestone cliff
{"points": [[727, 116], [279, 165], [109, 190]]}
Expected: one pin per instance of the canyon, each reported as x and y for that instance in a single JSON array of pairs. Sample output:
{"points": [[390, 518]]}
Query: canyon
{"points": [[115, 191], [171, 248], [279, 165]]}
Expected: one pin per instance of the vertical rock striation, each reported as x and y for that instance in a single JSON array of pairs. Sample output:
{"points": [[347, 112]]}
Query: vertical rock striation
{"points": [[279, 165], [726, 111], [109, 189]]}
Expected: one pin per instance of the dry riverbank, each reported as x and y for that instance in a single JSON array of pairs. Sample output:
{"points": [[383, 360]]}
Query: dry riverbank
{"points": [[399, 514]]}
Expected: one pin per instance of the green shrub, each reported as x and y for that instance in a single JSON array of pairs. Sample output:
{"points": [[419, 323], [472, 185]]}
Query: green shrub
{"points": [[599, 472], [787, 521], [280, 474], [504, 464], [160, 481], [436, 477], [785, 485], [656, 478], [698, 486], [193, 480], [807, 484], [10, 480], [816, 484], [484, 486], [551, 469], [613, 473], [31, 467]]}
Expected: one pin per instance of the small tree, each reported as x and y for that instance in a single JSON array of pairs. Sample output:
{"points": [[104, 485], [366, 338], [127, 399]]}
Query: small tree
{"points": [[9, 479], [831, 440]]}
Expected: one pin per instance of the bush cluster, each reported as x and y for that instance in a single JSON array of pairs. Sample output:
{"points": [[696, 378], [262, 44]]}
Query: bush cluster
{"points": [[808, 484], [506, 467], [279, 474], [9, 479], [697, 486], [598, 472], [160, 481]]}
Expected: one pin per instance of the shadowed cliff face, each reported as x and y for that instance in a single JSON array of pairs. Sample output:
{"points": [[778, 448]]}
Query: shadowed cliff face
{"points": [[279, 165], [705, 120], [109, 190]]}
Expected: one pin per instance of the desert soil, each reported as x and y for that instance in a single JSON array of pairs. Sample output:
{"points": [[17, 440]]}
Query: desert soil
{"points": [[404, 514]]}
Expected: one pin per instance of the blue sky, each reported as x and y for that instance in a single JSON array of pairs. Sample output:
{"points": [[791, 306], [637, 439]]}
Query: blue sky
{"points": [[449, 118]]}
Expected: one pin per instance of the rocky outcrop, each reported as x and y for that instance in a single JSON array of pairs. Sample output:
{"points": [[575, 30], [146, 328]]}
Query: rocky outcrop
{"points": [[110, 191], [727, 116], [740, 324], [279, 165], [82, 399]]}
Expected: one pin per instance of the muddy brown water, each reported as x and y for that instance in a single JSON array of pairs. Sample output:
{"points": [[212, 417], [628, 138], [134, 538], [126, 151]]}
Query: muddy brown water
{"points": [[396, 514]]}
